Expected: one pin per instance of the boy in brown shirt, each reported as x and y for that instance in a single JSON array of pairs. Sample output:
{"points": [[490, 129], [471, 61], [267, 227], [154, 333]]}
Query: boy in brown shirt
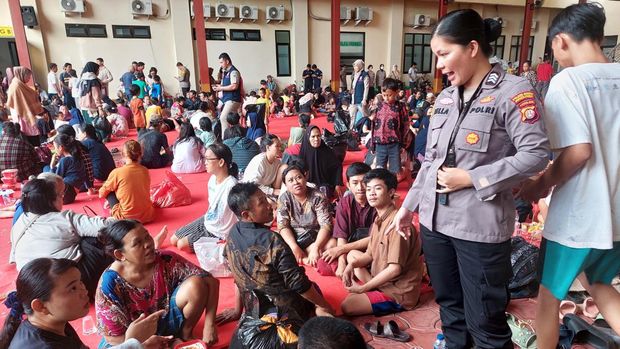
{"points": [[392, 283]]}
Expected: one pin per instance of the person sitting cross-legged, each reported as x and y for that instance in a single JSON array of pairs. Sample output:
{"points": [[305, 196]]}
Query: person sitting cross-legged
{"points": [[392, 283], [354, 218], [303, 216], [265, 270]]}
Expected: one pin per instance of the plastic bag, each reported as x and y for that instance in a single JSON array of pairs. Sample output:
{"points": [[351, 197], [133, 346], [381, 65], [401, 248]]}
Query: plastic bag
{"points": [[210, 253], [170, 192], [269, 332]]}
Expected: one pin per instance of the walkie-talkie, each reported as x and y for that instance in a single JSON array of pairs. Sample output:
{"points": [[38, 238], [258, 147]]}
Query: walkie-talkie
{"points": [[450, 162]]}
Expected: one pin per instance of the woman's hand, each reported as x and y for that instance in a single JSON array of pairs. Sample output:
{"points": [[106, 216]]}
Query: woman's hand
{"points": [[157, 342], [299, 254], [331, 254], [355, 288], [313, 254], [347, 276], [453, 179], [144, 326]]}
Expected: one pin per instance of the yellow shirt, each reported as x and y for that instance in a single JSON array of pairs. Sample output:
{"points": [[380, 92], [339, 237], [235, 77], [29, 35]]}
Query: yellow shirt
{"points": [[150, 111], [131, 184], [266, 102]]}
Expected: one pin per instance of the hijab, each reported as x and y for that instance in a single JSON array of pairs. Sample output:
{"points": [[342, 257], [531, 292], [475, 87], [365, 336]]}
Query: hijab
{"points": [[89, 78], [321, 162], [306, 98], [23, 98]]}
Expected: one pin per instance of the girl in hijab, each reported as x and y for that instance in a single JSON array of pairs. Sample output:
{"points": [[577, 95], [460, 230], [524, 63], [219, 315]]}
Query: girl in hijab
{"points": [[90, 101], [24, 104], [324, 170]]}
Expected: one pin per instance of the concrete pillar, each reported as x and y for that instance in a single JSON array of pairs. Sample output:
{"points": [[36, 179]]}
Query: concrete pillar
{"points": [[299, 39], [395, 35], [183, 43]]}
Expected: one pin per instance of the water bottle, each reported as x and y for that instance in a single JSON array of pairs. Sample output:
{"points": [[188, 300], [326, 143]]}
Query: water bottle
{"points": [[440, 343]]}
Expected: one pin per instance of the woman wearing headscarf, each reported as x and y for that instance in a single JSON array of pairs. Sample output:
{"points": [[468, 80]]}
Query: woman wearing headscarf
{"points": [[395, 73], [305, 103], [91, 96], [24, 103], [324, 169]]}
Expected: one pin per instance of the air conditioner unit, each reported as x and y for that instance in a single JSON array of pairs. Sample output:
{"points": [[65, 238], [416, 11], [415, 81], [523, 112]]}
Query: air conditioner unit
{"points": [[206, 10], [275, 13], [363, 14], [534, 26], [142, 7], [422, 20], [501, 21], [225, 11], [345, 13], [72, 6], [248, 12]]}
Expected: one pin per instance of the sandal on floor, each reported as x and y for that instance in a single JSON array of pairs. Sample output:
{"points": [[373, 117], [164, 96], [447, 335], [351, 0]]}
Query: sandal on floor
{"points": [[522, 332], [375, 329], [585, 333], [392, 331], [589, 308], [567, 307]]}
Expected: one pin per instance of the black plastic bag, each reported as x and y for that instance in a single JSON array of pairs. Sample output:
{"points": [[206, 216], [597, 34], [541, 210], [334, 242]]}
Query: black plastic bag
{"points": [[524, 261]]}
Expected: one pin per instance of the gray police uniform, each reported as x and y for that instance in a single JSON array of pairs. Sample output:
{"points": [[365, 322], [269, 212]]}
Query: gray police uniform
{"points": [[501, 141]]}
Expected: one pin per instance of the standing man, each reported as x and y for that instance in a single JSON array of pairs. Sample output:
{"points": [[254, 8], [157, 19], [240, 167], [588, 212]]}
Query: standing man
{"points": [[360, 85], [317, 76], [65, 76], [544, 72], [581, 239], [231, 87], [413, 75], [54, 88], [105, 76], [371, 82], [183, 78], [380, 78], [126, 80], [307, 76], [529, 74], [343, 78]]}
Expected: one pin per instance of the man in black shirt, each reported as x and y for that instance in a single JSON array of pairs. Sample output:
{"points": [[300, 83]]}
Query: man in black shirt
{"points": [[153, 142], [307, 76]]}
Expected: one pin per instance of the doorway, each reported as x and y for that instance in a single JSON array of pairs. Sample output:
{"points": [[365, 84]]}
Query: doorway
{"points": [[8, 54]]}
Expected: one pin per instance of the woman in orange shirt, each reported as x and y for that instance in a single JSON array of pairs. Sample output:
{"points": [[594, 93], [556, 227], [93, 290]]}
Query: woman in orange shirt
{"points": [[127, 187]]}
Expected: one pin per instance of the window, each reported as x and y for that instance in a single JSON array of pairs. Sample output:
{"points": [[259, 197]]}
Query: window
{"points": [[212, 34], [352, 48], [131, 32], [515, 48], [418, 49], [244, 35], [283, 52], [498, 47], [608, 44], [86, 30]]}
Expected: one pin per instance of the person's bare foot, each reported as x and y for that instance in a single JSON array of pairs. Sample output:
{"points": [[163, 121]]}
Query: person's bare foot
{"points": [[161, 237]]}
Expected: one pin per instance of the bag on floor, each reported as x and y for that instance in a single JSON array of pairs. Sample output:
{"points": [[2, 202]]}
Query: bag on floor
{"points": [[170, 192], [524, 261], [210, 253]]}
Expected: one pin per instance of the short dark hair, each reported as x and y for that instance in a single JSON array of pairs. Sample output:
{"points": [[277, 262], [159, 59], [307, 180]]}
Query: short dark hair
{"points": [[356, 169], [134, 90], [39, 196], [233, 118], [52, 66], [67, 65], [370, 66], [266, 141], [140, 76], [205, 124], [10, 129], [204, 106], [391, 84], [66, 129], [580, 22], [323, 332], [295, 166], [386, 176], [99, 59], [314, 66], [239, 197], [89, 130], [111, 236], [304, 119], [483, 31], [225, 57]]}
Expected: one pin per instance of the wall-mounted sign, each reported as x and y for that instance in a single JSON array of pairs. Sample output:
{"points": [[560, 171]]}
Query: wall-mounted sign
{"points": [[6, 31]]}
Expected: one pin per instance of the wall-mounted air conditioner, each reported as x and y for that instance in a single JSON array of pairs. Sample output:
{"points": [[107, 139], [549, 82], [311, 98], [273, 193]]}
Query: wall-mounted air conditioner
{"points": [[72, 6], [345, 14], [206, 10], [247, 12], [363, 14], [141, 7], [421, 20], [225, 11], [275, 13], [534, 26]]}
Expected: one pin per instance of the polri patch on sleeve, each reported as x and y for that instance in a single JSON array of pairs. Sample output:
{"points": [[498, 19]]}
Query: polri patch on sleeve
{"points": [[526, 102]]}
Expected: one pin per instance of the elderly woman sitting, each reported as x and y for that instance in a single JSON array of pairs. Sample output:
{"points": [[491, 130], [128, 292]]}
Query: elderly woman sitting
{"points": [[44, 230]]}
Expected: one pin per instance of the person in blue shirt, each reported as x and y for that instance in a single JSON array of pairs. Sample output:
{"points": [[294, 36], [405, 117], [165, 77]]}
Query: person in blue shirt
{"points": [[68, 163], [157, 88], [126, 80], [103, 163]]}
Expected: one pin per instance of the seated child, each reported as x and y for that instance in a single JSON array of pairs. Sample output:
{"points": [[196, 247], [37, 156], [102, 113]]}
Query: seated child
{"points": [[188, 151], [120, 127], [205, 132], [389, 272]]}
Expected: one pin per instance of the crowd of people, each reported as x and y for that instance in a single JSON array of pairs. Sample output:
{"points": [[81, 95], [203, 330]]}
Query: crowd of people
{"points": [[481, 145]]}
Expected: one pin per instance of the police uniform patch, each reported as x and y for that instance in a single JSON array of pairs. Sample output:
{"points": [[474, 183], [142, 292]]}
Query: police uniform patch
{"points": [[492, 79], [472, 138], [526, 102], [487, 99], [446, 101]]}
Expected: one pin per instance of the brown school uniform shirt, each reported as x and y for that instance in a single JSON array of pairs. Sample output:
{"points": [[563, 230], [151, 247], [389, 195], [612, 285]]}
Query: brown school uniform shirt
{"points": [[393, 249]]}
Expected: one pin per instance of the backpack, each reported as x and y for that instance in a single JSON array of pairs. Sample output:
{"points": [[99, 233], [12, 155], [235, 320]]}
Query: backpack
{"points": [[524, 260]]}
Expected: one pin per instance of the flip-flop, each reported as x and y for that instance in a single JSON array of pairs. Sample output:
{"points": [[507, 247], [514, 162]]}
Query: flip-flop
{"points": [[567, 307], [589, 308], [375, 328], [392, 331], [522, 333], [585, 333]]}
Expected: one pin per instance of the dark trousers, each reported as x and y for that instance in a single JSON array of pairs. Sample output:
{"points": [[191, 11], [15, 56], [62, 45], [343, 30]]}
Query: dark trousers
{"points": [[92, 264], [112, 199], [69, 100], [470, 280]]}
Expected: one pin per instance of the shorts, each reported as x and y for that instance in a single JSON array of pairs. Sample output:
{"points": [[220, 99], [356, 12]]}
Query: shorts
{"points": [[193, 231], [383, 304], [559, 265]]}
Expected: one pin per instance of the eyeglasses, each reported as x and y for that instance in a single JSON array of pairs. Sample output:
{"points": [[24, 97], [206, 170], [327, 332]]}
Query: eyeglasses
{"points": [[211, 159]]}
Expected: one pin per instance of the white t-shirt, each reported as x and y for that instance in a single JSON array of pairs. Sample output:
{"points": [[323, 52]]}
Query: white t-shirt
{"points": [[583, 106], [219, 218], [52, 82], [195, 118], [188, 157], [261, 172]]}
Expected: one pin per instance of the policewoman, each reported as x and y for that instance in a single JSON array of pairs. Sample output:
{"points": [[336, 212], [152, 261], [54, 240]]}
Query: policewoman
{"points": [[485, 137]]}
